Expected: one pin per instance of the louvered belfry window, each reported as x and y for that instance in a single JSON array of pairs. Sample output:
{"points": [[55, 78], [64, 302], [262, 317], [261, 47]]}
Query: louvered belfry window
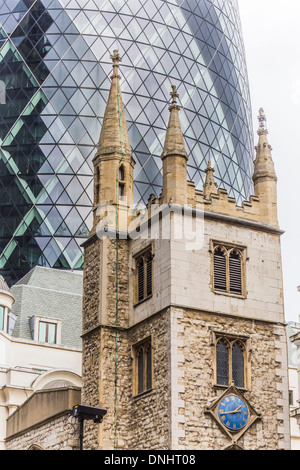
{"points": [[228, 269], [144, 280], [141, 279], [235, 272], [220, 270], [149, 274]]}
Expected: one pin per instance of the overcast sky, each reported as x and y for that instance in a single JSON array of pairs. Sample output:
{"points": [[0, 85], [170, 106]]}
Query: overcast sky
{"points": [[271, 30]]}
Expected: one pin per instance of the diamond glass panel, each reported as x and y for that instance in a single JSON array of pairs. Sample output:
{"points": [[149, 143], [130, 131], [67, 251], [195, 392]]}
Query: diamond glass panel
{"points": [[54, 82]]}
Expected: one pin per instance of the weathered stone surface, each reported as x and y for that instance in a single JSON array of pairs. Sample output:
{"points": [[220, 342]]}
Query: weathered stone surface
{"points": [[58, 434]]}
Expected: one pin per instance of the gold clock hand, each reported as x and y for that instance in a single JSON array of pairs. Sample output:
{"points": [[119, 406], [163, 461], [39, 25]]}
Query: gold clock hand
{"points": [[234, 411], [238, 409]]}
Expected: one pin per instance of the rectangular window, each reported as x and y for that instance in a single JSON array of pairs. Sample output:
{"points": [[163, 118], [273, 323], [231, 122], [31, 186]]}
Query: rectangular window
{"points": [[291, 398], [2, 315], [47, 332], [121, 183], [142, 368], [228, 269], [144, 275]]}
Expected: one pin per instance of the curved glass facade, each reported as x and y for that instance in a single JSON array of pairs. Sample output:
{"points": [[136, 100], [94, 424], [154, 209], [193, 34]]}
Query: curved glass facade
{"points": [[54, 82]]}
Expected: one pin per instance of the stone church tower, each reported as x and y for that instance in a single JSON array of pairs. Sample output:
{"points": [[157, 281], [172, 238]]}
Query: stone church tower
{"points": [[183, 321]]}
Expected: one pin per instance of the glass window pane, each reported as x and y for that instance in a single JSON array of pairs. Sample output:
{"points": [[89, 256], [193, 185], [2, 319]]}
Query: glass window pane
{"points": [[222, 363], [51, 333], [42, 332], [149, 368], [1, 317], [238, 365], [141, 371], [121, 191]]}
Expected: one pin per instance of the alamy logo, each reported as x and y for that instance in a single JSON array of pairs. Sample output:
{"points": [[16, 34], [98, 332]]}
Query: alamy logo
{"points": [[162, 221], [2, 92]]}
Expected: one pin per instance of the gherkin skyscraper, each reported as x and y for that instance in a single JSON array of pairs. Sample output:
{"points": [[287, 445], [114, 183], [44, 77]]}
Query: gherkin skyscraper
{"points": [[54, 82]]}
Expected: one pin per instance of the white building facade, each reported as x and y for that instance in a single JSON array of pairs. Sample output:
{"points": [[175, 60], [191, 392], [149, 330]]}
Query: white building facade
{"points": [[43, 362]]}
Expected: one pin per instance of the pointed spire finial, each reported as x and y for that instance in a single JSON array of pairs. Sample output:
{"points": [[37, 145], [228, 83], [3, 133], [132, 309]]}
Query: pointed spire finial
{"points": [[262, 119], [174, 95], [116, 59]]}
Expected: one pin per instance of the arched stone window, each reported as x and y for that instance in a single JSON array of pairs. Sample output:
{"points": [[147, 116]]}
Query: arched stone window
{"points": [[235, 271], [228, 270], [220, 268], [144, 276], [142, 355], [238, 363], [35, 447], [223, 348], [231, 361]]}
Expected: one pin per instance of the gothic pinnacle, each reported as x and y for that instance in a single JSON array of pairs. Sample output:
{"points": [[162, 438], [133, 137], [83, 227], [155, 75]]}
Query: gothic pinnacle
{"points": [[174, 157], [174, 142], [263, 164], [264, 176], [210, 186], [114, 134]]}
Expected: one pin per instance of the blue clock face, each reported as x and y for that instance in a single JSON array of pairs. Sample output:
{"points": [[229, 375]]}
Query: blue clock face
{"points": [[233, 412]]}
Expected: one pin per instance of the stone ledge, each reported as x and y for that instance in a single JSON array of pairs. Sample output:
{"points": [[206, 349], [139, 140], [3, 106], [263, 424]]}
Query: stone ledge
{"points": [[40, 407]]}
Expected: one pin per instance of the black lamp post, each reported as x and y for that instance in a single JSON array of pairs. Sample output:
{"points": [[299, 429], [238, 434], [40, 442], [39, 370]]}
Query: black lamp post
{"points": [[83, 412]]}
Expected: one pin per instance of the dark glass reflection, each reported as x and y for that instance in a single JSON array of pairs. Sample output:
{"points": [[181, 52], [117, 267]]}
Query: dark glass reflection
{"points": [[54, 83]]}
